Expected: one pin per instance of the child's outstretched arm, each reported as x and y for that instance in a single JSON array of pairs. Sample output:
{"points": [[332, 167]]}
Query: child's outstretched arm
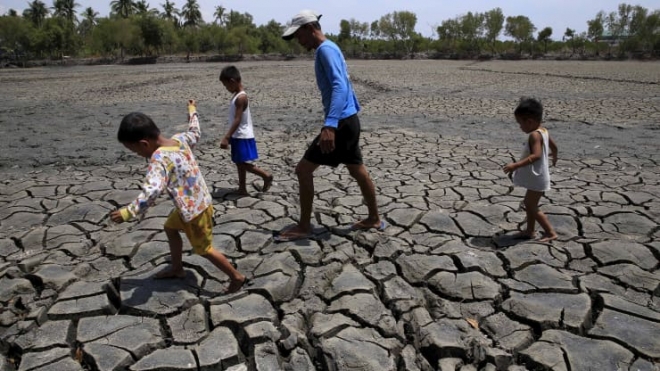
{"points": [[553, 150], [194, 132], [241, 105], [153, 186], [536, 151]]}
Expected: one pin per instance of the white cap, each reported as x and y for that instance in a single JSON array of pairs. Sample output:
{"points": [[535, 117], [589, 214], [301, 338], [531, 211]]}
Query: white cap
{"points": [[300, 19]]}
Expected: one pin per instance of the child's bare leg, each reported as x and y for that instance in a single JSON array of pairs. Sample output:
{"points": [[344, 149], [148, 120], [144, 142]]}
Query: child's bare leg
{"points": [[550, 233], [219, 260], [176, 253], [268, 178], [531, 202], [242, 188]]}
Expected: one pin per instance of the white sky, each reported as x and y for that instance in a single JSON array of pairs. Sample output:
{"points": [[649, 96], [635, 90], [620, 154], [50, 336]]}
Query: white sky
{"points": [[558, 14]]}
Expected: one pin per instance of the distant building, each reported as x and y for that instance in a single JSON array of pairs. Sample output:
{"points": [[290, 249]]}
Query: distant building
{"points": [[608, 37]]}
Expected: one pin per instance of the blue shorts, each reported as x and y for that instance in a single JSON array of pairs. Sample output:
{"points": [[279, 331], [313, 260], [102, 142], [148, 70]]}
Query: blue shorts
{"points": [[243, 150]]}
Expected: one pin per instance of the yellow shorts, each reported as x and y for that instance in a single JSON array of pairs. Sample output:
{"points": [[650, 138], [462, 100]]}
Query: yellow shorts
{"points": [[199, 230]]}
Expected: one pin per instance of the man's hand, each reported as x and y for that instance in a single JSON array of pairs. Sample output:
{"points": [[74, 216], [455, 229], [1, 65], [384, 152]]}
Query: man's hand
{"points": [[116, 216], [554, 158], [327, 140]]}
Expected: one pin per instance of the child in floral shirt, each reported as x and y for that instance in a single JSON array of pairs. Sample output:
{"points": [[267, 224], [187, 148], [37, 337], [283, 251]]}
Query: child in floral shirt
{"points": [[173, 168]]}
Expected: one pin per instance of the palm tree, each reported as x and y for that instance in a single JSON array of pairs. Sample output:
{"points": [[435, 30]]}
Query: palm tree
{"points": [[36, 12], [12, 13], [191, 14], [89, 21], [90, 15], [170, 12], [66, 9], [220, 14], [142, 7], [123, 7]]}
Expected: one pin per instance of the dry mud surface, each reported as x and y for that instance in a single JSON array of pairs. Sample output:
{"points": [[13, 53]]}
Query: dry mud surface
{"points": [[442, 288]]}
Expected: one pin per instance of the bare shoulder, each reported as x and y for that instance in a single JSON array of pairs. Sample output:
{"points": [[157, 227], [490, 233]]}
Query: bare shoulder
{"points": [[535, 135], [242, 99]]}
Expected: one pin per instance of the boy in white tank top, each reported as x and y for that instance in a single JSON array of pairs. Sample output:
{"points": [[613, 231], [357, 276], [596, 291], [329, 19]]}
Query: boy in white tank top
{"points": [[240, 133], [532, 170]]}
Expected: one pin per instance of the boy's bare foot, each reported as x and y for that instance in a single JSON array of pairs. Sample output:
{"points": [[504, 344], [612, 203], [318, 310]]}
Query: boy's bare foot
{"points": [[169, 273], [367, 224], [292, 234], [236, 285], [267, 183], [522, 236], [548, 237]]}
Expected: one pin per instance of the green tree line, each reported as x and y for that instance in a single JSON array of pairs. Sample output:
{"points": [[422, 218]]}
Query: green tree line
{"points": [[134, 28]]}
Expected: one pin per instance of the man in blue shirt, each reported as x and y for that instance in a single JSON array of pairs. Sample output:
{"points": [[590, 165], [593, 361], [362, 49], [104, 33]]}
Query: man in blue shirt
{"points": [[339, 140]]}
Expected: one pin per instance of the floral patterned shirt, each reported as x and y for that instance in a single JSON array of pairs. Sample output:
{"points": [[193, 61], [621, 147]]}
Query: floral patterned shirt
{"points": [[175, 170]]}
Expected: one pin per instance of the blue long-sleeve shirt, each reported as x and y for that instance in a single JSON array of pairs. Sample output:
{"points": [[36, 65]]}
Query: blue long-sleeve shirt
{"points": [[339, 100]]}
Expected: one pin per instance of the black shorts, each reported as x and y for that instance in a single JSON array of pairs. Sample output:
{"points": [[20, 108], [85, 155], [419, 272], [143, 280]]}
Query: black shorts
{"points": [[347, 145]]}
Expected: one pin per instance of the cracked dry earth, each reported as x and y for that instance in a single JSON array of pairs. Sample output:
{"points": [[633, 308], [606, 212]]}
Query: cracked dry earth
{"points": [[442, 288]]}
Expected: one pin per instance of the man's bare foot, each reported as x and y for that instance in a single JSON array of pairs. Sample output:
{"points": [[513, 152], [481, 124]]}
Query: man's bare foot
{"points": [[548, 237], [235, 285], [292, 234], [239, 192], [367, 224], [268, 182], [522, 236], [169, 273]]}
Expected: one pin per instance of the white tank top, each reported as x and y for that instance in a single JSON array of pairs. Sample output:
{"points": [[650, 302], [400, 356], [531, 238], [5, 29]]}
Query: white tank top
{"points": [[244, 130], [535, 176]]}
